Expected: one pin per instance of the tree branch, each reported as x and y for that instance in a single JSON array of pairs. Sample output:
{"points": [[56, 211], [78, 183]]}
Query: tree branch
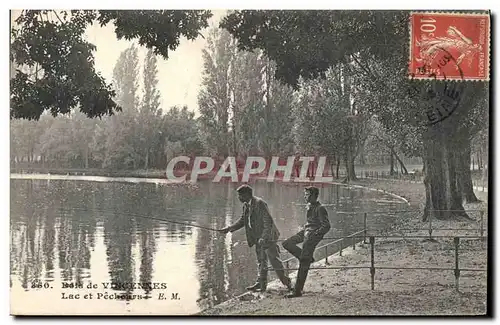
{"points": [[55, 13], [35, 73], [366, 69], [47, 16]]}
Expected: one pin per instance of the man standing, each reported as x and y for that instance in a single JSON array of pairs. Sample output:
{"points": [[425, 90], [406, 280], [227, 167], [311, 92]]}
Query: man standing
{"points": [[261, 232], [316, 227]]}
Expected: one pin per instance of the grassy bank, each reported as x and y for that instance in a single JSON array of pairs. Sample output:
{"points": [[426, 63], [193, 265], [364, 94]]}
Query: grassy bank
{"points": [[396, 292]]}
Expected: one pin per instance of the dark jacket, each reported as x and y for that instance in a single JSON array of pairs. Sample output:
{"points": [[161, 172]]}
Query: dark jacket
{"points": [[262, 224], [317, 219]]}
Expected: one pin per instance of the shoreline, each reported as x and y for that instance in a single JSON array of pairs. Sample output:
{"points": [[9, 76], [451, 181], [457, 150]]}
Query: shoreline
{"points": [[397, 292], [158, 176]]}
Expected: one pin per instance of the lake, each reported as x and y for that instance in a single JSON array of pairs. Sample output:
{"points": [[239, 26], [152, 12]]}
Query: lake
{"points": [[80, 231]]}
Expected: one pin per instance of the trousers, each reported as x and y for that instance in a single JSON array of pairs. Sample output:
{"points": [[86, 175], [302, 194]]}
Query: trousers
{"points": [[304, 255], [269, 251]]}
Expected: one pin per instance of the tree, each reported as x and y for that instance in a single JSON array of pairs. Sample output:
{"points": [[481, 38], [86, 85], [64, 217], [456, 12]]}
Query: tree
{"points": [[261, 119], [121, 140], [278, 121], [331, 119], [52, 42], [214, 99], [149, 119], [125, 79], [244, 110], [83, 132], [473, 125], [247, 91], [181, 132], [24, 140], [307, 43], [98, 142], [392, 141], [56, 143]]}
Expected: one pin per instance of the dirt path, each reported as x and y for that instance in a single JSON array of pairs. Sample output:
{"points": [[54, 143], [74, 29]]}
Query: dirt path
{"points": [[396, 292]]}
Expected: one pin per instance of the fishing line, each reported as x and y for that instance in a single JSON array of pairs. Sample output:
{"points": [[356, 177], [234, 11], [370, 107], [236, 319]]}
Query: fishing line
{"points": [[146, 217]]}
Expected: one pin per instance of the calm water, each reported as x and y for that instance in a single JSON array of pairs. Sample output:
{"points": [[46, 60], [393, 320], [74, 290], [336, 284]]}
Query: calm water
{"points": [[81, 231]]}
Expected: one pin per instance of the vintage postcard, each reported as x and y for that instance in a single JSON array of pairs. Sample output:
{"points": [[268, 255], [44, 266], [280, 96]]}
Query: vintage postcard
{"points": [[250, 162]]}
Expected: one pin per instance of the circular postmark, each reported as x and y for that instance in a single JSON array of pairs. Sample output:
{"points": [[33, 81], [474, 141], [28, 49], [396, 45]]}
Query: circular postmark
{"points": [[442, 96]]}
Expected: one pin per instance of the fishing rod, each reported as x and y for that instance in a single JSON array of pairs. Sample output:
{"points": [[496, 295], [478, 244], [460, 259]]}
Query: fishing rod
{"points": [[177, 222], [153, 218]]}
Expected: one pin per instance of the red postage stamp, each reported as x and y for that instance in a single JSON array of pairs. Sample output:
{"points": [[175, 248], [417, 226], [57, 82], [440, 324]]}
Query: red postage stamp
{"points": [[451, 46]]}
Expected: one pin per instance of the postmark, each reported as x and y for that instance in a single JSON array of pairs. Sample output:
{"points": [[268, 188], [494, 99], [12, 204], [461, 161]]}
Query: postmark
{"points": [[436, 38]]}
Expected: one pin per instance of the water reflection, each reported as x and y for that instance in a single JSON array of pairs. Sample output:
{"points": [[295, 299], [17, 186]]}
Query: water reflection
{"points": [[77, 231]]}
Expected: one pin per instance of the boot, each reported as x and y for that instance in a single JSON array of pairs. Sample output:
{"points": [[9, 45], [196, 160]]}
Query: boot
{"points": [[301, 280], [293, 295], [284, 279], [262, 287]]}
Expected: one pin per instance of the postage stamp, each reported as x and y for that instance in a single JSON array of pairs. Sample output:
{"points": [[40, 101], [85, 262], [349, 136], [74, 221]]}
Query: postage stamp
{"points": [[437, 38]]}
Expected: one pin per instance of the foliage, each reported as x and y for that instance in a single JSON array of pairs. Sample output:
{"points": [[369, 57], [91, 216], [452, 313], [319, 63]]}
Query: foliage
{"points": [[214, 98], [52, 43], [373, 47], [244, 109], [139, 136], [320, 82], [305, 43]]}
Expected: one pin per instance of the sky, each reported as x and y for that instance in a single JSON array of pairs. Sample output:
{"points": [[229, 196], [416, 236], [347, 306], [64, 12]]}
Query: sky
{"points": [[179, 77]]}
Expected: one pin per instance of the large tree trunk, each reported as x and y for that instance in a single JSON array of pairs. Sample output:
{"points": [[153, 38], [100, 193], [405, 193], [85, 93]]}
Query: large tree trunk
{"points": [[443, 197]]}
